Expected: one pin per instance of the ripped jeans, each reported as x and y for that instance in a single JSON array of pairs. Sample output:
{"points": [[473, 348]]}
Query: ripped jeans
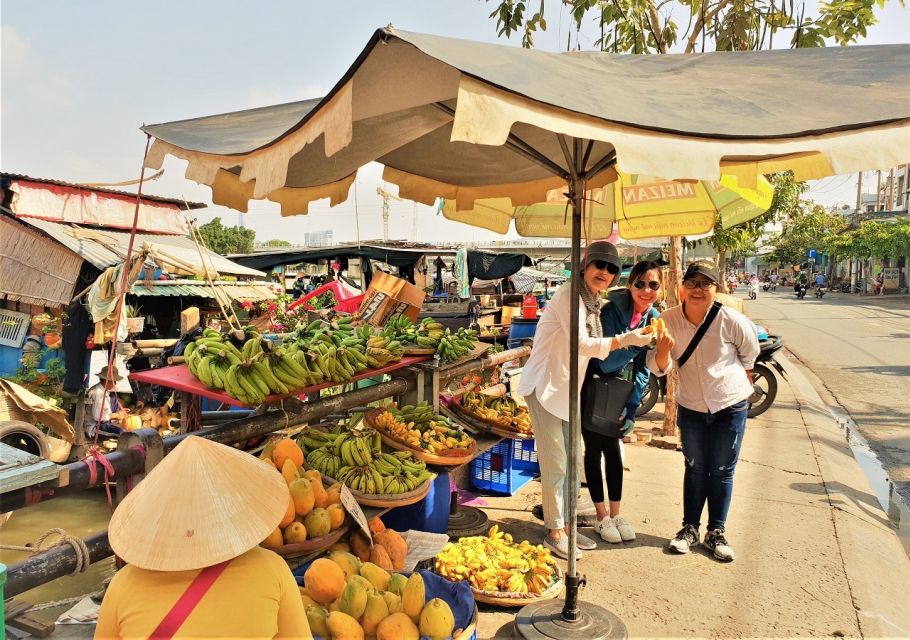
{"points": [[710, 444]]}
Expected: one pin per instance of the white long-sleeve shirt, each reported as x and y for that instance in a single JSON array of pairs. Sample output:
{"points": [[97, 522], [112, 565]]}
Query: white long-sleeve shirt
{"points": [[546, 373], [715, 375]]}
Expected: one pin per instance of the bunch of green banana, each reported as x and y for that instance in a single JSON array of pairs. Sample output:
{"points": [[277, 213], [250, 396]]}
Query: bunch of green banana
{"points": [[324, 461], [401, 472], [313, 439], [209, 357], [454, 345], [358, 450], [420, 415], [380, 351], [365, 478]]}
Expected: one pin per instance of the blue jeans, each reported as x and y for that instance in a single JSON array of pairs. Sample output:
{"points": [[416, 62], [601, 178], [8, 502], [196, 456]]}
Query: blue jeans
{"points": [[710, 444]]}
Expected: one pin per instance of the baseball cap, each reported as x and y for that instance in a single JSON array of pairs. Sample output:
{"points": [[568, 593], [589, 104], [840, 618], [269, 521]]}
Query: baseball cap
{"points": [[700, 269]]}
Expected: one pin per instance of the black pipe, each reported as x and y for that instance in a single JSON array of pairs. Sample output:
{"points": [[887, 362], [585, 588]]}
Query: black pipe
{"points": [[51, 564]]}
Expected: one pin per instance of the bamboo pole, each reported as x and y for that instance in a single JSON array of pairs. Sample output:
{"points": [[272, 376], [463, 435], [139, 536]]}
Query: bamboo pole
{"points": [[673, 279], [160, 343]]}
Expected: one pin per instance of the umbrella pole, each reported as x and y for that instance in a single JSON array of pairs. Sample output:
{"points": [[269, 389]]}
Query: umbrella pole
{"points": [[552, 619]]}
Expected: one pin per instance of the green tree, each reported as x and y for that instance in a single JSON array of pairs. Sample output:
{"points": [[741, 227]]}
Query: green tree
{"points": [[810, 228], [224, 240], [872, 239], [277, 244]]}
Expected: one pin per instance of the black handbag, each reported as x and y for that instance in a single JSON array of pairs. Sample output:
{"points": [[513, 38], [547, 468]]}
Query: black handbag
{"points": [[603, 399]]}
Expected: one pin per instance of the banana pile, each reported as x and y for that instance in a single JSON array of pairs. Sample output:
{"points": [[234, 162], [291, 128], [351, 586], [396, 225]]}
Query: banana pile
{"points": [[249, 374], [419, 427], [496, 563], [429, 334], [357, 460], [339, 350], [499, 411]]}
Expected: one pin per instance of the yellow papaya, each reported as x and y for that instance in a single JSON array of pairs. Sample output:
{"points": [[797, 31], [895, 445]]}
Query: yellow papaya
{"points": [[295, 533], [397, 583], [324, 580], [302, 493], [397, 626], [287, 449], [344, 627], [336, 515], [375, 612], [318, 522], [275, 539], [322, 499], [349, 563], [378, 576], [414, 596], [353, 600], [393, 601], [436, 620], [316, 616], [333, 493], [289, 471]]}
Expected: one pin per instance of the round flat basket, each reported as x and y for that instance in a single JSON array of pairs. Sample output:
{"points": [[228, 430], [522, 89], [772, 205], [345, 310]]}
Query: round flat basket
{"points": [[455, 411], [312, 546], [453, 458], [384, 500], [468, 632], [506, 599]]}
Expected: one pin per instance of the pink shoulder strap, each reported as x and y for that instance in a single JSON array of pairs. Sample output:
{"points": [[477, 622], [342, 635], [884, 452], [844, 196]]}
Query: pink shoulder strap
{"points": [[188, 601]]}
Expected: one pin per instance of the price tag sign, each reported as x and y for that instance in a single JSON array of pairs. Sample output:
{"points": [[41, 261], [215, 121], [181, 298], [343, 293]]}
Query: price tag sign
{"points": [[350, 505]]}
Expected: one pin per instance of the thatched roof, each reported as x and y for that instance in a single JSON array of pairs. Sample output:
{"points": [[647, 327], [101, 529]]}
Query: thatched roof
{"points": [[33, 268]]}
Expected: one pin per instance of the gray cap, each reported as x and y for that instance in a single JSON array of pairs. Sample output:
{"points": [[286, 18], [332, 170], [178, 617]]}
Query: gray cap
{"points": [[700, 269], [602, 250]]}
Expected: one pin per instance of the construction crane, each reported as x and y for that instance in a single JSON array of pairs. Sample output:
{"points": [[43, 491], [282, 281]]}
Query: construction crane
{"points": [[386, 196]]}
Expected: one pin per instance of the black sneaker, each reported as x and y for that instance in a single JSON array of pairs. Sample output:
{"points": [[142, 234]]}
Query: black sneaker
{"points": [[685, 539], [716, 542]]}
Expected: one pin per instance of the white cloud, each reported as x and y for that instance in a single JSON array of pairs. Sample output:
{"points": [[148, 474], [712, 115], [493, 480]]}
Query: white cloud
{"points": [[15, 51]]}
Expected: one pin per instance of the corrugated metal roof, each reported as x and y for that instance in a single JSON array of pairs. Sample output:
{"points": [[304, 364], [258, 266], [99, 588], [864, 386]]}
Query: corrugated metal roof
{"points": [[93, 249], [179, 202], [236, 290]]}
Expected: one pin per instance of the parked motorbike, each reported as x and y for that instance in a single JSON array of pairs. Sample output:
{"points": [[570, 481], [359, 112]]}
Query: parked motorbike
{"points": [[764, 382], [820, 291]]}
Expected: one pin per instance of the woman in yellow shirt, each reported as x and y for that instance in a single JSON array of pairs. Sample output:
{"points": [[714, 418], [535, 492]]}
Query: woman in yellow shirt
{"points": [[190, 533]]}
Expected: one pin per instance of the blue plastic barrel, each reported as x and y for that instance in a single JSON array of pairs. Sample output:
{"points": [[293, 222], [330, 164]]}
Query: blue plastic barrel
{"points": [[521, 329]]}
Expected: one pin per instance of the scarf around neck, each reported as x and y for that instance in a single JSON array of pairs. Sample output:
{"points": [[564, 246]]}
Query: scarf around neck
{"points": [[592, 310]]}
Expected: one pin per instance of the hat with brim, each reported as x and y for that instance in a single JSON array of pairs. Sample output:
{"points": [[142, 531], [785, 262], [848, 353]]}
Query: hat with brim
{"points": [[700, 269], [203, 504], [602, 250], [104, 374]]}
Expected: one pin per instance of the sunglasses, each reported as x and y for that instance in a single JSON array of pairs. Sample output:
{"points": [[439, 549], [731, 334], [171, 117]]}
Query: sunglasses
{"points": [[698, 284], [603, 264], [653, 285]]}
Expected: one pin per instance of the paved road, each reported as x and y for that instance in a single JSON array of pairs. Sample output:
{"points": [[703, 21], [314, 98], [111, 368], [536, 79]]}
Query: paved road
{"points": [[859, 347]]}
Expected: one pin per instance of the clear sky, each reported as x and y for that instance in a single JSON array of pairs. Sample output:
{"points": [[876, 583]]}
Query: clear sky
{"points": [[79, 78]]}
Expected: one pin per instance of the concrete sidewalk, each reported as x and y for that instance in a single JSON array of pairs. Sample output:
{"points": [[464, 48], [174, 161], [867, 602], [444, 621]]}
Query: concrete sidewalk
{"points": [[816, 555]]}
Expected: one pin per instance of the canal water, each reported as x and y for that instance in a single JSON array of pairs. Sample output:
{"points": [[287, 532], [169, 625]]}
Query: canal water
{"points": [[80, 515]]}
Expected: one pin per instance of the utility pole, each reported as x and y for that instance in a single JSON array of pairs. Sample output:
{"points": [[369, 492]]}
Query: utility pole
{"points": [[891, 190], [673, 279], [854, 263], [878, 191]]}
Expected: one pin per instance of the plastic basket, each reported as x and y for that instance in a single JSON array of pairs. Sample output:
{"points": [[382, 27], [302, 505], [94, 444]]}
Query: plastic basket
{"points": [[506, 467]]}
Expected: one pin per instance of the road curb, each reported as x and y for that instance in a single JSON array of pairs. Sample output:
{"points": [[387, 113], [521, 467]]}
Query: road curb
{"points": [[875, 563]]}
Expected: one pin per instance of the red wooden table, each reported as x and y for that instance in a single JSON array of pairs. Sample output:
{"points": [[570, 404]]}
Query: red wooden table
{"points": [[179, 377]]}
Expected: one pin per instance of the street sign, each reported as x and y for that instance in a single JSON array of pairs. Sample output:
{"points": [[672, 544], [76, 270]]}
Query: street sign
{"points": [[812, 254]]}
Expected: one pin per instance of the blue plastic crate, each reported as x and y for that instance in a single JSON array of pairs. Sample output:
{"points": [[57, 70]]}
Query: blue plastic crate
{"points": [[506, 467]]}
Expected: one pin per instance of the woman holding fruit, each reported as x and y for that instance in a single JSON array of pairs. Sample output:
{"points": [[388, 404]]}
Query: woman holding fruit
{"points": [[627, 309], [190, 534], [545, 381], [712, 398]]}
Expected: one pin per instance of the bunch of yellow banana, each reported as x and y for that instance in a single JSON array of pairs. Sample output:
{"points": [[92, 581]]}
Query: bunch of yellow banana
{"points": [[496, 563], [437, 432], [387, 422], [501, 411]]}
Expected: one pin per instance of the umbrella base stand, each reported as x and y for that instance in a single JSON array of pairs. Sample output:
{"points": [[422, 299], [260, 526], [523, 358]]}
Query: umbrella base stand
{"points": [[468, 521], [543, 620]]}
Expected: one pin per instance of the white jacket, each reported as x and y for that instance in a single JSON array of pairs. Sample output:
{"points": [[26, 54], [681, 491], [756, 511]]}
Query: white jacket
{"points": [[547, 372]]}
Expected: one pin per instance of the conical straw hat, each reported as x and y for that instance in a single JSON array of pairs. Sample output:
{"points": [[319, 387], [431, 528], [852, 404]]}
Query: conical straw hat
{"points": [[203, 504]]}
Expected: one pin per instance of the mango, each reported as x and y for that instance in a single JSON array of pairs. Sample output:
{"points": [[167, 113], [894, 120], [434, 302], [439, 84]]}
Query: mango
{"points": [[375, 612], [336, 515], [414, 596], [393, 601], [318, 522], [397, 583], [380, 557], [353, 600], [397, 626], [324, 580], [316, 616], [436, 620], [294, 533], [349, 564], [287, 449], [275, 539], [302, 494], [344, 627], [333, 493], [288, 515], [378, 576], [289, 471], [322, 499]]}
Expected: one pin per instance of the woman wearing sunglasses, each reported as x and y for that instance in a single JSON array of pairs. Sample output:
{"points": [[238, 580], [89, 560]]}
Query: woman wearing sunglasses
{"points": [[629, 309], [545, 381]]}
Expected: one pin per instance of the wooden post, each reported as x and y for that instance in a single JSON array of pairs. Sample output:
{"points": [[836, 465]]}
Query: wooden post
{"points": [[150, 440], [673, 278], [189, 320]]}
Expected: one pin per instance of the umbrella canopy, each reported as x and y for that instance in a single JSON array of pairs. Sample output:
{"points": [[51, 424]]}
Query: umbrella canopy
{"points": [[643, 207], [466, 120]]}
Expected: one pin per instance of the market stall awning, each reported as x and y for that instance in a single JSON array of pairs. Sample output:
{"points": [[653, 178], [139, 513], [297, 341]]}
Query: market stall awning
{"points": [[469, 120], [104, 248], [253, 291]]}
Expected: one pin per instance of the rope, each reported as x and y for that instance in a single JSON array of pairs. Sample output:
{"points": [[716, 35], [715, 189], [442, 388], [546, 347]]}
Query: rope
{"points": [[40, 545], [94, 595], [96, 456]]}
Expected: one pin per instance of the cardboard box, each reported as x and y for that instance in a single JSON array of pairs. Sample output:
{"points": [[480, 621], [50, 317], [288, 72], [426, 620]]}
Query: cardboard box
{"points": [[389, 296]]}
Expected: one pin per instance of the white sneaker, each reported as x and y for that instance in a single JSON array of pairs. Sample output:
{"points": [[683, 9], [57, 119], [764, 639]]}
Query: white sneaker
{"points": [[626, 532], [608, 531]]}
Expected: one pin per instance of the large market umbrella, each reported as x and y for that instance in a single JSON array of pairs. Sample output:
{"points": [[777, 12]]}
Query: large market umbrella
{"points": [[466, 120], [641, 206]]}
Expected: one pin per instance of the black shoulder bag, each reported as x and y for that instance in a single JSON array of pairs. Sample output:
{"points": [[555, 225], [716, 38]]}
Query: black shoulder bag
{"points": [[712, 313]]}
